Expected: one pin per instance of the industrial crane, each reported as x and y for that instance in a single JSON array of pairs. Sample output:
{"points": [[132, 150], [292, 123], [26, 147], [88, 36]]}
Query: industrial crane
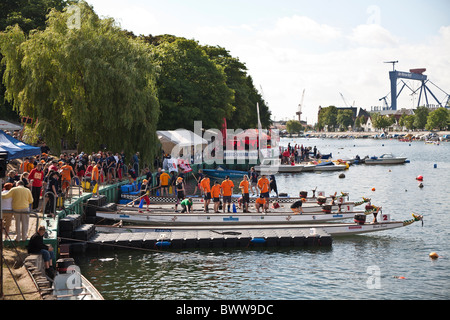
{"points": [[299, 112]]}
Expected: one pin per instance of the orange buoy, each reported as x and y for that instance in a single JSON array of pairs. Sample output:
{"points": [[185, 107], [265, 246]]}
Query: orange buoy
{"points": [[433, 255], [373, 189], [420, 178], [401, 278]]}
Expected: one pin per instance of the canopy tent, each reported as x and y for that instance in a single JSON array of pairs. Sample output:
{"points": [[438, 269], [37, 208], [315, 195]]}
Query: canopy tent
{"points": [[181, 139], [250, 137], [15, 148], [5, 125]]}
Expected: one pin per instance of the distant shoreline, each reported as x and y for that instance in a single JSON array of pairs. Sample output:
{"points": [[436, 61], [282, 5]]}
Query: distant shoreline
{"points": [[352, 134]]}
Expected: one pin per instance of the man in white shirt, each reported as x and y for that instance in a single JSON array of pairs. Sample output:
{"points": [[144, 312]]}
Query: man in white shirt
{"points": [[21, 200]]}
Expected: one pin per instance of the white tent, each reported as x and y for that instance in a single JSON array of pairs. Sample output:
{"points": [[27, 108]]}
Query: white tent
{"points": [[5, 125], [173, 141]]}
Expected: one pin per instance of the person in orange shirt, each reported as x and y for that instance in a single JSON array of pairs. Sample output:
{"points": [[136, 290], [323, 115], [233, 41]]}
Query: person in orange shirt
{"points": [[66, 172], [260, 203], [227, 188], [95, 176], [215, 193], [263, 186], [164, 182], [205, 185], [245, 193]]}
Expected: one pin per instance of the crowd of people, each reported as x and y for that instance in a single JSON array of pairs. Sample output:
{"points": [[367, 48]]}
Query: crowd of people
{"points": [[219, 192], [298, 154], [39, 180]]}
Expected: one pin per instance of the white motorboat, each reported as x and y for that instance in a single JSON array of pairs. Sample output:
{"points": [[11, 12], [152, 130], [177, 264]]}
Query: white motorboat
{"points": [[274, 166], [330, 166], [387, 158]]}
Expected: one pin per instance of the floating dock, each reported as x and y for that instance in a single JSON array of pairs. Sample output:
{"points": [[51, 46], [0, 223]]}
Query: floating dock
{"points": [[213, 239], [82, 237]]}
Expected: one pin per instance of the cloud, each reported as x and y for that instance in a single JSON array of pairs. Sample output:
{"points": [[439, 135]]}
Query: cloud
{"points": [[372, 35], [304, 28]]}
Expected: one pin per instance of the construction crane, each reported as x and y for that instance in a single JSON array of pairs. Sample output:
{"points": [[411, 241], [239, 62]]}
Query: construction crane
{"points": [[299, 112], [346, 104], [393, 64]]}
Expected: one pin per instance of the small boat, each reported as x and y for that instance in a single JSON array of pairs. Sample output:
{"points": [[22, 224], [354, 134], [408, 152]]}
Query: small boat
{"points": [[70, 284], [387, 158], [333, 229], [267, 167], [235, 198], [326, 156], [330, 166], [221, 173], [165, 215]]}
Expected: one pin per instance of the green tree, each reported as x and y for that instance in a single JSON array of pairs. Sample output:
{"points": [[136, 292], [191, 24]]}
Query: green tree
{"points": [[245, 94], [344, 119], [420, 117], [381, 122], [93, 83], [293, 126], [407, 121], [191, 87], [29, 15], [328, 117], [438, 119]]}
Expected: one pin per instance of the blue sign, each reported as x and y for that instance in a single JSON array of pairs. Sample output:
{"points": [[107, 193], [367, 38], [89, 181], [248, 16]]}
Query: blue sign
{"points": [[230, 219]]}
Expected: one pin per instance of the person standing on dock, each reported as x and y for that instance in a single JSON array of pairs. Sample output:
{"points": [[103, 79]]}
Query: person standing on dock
{"points": [[215, 193], [205, 185], [263, 186], [179, 186], [145, 191], [245, 193], [164, 182], [36, 178], [21, 200], [95, 176], [253, 180], [227, 188]]}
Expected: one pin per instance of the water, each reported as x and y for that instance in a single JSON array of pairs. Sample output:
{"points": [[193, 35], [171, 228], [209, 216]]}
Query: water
{"points": [[344, 271]]}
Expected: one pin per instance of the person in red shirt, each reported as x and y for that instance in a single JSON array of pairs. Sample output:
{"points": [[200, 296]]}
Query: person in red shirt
{"points": [[36, 178], [263, 186], [227, 188]]}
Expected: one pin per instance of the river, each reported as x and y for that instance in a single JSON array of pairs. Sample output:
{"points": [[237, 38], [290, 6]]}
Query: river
{"points": [[387, 265]]}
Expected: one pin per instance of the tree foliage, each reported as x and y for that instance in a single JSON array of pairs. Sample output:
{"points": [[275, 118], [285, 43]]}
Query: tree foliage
{"points": [[344, 118], [93, 84], [29, 15], [246, 97], [420, 117], [328, 118], [293, 126], [438, 119], [191, 87], [381, 122]]}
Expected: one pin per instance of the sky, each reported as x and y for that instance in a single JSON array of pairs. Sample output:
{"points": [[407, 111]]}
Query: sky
{"points": [[324, 48]]}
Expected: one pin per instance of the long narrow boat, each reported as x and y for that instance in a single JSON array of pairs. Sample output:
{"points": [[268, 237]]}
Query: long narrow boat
{"points": [[235, 198], [198, 217], [333, 229], [308, 207]]}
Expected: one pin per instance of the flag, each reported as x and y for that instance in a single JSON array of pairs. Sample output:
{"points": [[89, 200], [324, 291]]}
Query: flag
{"points": [[184, 165], [172, 164]]}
